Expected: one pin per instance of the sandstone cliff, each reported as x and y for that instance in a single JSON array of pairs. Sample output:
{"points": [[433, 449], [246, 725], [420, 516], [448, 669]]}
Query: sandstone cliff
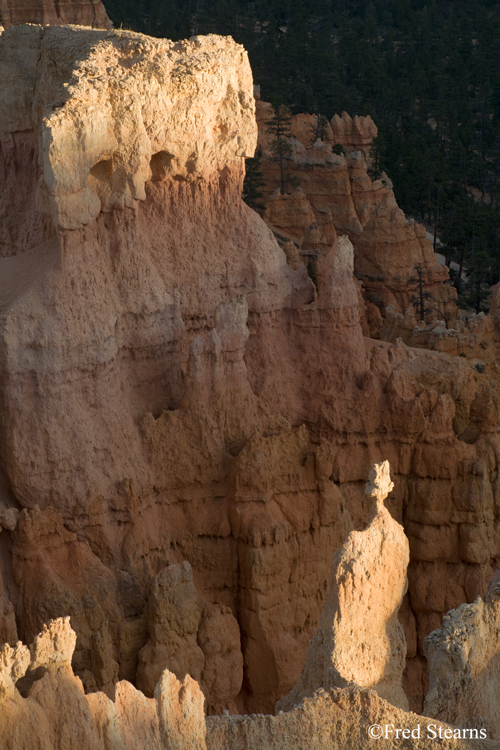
{"points": [[54, 12], [336, 188], [173, 392]]}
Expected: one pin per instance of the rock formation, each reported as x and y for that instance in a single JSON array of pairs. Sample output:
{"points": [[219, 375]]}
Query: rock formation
{"points": [[53, 570], [154, 435], [464, 658], [337, 188], [14, 662], [354, 133], [54, 12], [475, 336], [172, 391], [339, 719], [191, 637], [360, 639], [56, 714]]}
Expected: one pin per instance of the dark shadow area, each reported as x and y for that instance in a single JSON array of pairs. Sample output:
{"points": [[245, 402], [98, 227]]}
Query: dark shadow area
{"points": [[161, 165]]}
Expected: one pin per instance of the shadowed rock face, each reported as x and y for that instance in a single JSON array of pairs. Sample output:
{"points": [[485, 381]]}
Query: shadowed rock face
{"points": [[191, 637], [464, 659], [171, 390], [54, 12]]}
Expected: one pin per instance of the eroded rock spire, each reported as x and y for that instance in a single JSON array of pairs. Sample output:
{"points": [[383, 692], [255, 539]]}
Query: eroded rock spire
{"points": [[359, 639], [379, 483]]}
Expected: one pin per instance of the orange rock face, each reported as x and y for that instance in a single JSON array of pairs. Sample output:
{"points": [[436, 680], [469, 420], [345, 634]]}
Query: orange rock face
{"points": [[387, 247], [54, 12], [354, 133], [173, 392], [163, 447], [464, 656]]}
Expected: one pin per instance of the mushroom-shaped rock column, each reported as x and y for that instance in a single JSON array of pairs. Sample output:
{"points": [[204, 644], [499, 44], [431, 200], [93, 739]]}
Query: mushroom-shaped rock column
{"points": [[359, 638]]}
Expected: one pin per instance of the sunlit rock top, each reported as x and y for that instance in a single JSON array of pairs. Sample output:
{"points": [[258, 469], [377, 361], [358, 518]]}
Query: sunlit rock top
{"points": [[110, 108]]}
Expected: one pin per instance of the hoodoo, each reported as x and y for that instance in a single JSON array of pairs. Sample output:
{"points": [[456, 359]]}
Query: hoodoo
{"points": [[187, 422], [360, 639]]}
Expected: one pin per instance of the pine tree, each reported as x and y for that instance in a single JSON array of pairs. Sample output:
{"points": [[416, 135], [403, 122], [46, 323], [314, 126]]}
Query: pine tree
{"points": [[375, 168], [280, 127], [319, 131], [253, 182], [423, 299]]}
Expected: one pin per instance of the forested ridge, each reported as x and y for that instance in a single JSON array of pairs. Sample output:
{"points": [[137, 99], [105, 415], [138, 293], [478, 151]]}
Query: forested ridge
{"points": [[427, 72]]}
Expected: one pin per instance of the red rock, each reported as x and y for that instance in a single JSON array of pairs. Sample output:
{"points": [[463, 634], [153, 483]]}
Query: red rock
{"points": [[387, 247], [354, 134], [171, 390], [54, 12]]}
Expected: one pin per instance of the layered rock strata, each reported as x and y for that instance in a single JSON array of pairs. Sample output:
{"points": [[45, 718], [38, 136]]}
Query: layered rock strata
{"points": [[43, 705], [475, 336], [337, 188], [173, 391], [360, 639], [54, 12], [191, 637]]}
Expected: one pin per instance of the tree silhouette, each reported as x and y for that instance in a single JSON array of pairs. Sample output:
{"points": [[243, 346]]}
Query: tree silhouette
{"points": [[253, 182], [375, 169], [319, 130], [422, 298], [279, 126]]}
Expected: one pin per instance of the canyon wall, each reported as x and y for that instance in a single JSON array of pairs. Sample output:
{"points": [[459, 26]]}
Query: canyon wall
{"points": [[335, 188], [145, 314], [54, 12], [183, 415]]}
